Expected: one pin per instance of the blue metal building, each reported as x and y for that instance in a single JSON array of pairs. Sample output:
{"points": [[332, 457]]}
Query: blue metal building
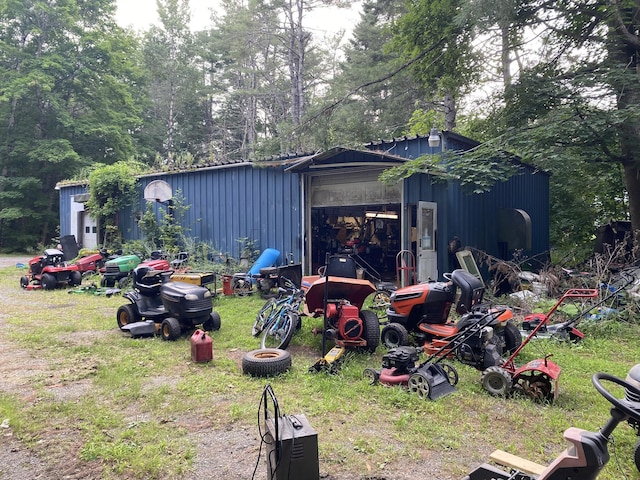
{"points": [[309, 205]]}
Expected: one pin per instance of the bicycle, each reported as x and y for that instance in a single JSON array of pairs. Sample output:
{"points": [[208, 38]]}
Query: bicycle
{"points": [[278, 318]]}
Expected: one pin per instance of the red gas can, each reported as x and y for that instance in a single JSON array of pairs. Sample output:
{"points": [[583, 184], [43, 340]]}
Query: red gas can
{"points": [[201, 346]]}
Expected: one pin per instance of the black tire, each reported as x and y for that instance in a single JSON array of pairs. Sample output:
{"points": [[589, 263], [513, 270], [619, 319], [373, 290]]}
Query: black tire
{"points": [[371, 329], [170, 329], [48, 281], [394, 335], [371, 376], [451, 372], [24, 281], [75, 278], [636, 455], [497, 381], [266, 362], [512, 337], [263, 317], [124, 282], [126, 315], [212, 323], [279, 334]]}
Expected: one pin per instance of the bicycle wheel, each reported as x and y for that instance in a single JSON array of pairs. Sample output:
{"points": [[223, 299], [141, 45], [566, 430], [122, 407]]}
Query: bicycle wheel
{"points": [[264, 315], [279, 334]]}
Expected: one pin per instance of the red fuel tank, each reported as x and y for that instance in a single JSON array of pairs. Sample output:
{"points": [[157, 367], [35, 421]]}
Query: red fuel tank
{"points": [[201, 346]]}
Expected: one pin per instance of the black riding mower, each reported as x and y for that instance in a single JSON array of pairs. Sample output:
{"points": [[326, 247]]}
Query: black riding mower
{"points": [[160, 305]]}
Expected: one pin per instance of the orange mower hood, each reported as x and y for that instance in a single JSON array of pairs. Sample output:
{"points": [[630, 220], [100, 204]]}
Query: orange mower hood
{"points": [[355, 291]]}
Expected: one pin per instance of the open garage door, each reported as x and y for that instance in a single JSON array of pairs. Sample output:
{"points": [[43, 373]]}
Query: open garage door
{"points": [[352, 212]]}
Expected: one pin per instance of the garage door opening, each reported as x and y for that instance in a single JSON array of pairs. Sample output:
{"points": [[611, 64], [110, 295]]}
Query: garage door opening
{"points": [[371, 233]]}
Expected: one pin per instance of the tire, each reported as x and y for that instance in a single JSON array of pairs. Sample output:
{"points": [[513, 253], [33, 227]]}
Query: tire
{"points": [[48, 281], [170, 329], [636, 455], [451, 372], [266, 362], [371, 376], [24, 281], [124, 282], [497, 381], [126, 315], [75, 278], [279, 334], [419, 384], [394, 335], [241, 287], [263, 316], [371, 329], [212, 323], [512, 337]]}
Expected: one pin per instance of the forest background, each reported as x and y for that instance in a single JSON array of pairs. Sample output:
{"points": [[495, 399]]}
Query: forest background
{"points": [[555, 83]]}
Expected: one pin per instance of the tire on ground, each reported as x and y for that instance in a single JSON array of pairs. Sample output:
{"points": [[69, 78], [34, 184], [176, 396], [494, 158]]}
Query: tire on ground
{"points": [[212, 323], [48, 281], [170, 329], [512, 337], [266, 362], [394, 335], [371, 329], [126, 315], [75, 278]]}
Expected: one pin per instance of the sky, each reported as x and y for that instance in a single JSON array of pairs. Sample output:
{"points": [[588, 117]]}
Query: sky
{"points": [[139, 14]]}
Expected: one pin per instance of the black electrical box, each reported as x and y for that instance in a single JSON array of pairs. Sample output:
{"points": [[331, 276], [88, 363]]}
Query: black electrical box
{"points": [[292, 449]]}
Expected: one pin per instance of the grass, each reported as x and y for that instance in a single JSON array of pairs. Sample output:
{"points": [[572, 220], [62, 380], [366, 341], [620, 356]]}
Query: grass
{"points": [[133, 407]]}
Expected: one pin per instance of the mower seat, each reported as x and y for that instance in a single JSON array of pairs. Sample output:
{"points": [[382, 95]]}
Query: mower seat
{"points": [[471, 290], [147, 280], [341, 266]]}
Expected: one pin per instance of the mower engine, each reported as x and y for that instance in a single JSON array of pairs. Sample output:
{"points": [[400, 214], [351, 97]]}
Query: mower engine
{"points": [[481, 350], [403, 359], [346, 323]]}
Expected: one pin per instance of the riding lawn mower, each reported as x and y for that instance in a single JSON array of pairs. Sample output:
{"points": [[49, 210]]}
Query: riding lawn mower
{"points": [[422, 312]]}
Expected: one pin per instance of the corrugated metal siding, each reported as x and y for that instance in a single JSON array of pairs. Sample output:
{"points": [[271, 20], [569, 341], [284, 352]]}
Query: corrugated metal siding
{"points": [[473, 218], [66, 197], [226, 204]]}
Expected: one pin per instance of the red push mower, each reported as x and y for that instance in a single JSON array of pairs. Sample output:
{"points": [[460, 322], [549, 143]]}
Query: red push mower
{"points": [[538, 379], [587, 453], [339, 296], [434, 377]]}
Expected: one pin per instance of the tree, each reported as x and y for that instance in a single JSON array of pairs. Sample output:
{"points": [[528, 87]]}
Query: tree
{"points": [[372, 96], [445, 72], [65, 102], [111, 189]]}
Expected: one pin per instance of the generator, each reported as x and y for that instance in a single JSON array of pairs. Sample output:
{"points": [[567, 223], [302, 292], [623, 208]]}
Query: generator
{"points": [[291, 444]]}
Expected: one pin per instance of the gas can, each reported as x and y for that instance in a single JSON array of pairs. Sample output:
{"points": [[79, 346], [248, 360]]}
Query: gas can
{"points": [[201, 346]]}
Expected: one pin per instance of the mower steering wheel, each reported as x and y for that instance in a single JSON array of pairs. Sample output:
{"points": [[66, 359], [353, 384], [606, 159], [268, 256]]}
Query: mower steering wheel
{"points": [[625, 406]]}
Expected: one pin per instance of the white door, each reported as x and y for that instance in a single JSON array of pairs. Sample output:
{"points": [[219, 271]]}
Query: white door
{"points": [[426, 241], [89, 237]]}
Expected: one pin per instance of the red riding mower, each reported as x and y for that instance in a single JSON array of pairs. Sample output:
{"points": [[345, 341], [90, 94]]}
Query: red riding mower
{"points": [[339, 296], [49, 271], [422, 310]]}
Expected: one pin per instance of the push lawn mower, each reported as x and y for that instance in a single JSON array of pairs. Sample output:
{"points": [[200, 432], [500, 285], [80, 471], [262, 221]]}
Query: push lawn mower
{"points": [[49, 271], [435, 378], [587, 453], [159, 304], [423, 311], [339, 297]]}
